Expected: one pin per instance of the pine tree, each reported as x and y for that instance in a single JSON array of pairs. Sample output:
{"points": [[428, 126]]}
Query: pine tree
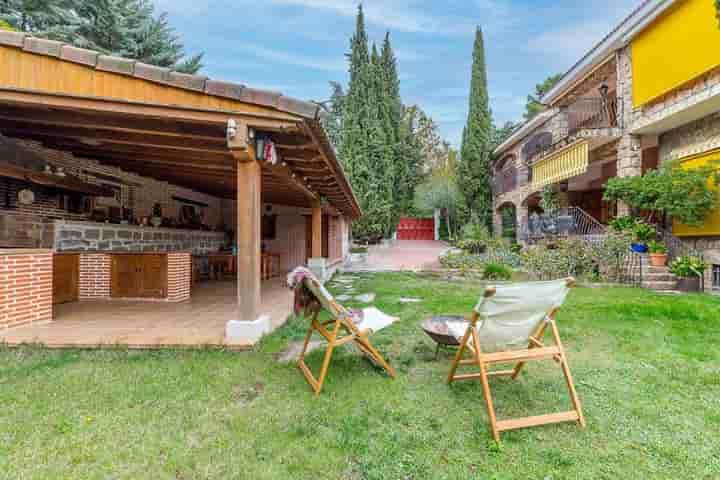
{"points": [[332, 118], [125, 28], [474, 171]]}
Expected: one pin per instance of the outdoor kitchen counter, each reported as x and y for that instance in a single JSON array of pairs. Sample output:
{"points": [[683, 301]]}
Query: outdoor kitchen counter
{"points": [[159, 276]]}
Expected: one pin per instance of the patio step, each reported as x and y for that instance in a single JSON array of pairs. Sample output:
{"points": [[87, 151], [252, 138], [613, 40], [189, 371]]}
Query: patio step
{"points": [[659, 277], [659, 285]]}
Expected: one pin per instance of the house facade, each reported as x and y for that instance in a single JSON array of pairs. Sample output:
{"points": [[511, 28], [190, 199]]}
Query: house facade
{"points": [[123, 183], [646, 94]]}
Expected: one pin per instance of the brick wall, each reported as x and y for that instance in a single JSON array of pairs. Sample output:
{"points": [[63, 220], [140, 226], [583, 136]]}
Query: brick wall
{"points": [[95, 273], [179, 276], [25, 287]]}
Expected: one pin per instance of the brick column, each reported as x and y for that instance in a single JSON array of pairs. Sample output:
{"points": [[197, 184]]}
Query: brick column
{"points": [[179, 276], [25, 287], [95, 276]]}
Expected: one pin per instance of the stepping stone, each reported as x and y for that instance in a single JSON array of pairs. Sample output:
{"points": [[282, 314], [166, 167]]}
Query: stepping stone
{"points": [[344, 297], [365, 297], [410, 300], [292, 351], [345, 280]]}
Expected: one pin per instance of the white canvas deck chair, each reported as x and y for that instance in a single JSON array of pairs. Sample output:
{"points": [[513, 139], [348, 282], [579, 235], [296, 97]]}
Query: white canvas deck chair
{"points": [[345, 326], [507, 326]]}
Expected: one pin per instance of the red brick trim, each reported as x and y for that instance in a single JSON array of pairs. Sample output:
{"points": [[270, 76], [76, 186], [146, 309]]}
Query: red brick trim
{"points": [[25, 288], [95, 276], [179, 276]]}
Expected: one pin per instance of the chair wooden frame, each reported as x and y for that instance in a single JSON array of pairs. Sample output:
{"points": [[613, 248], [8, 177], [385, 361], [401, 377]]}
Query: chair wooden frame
{"points": [[339, 326], [537, 350]]}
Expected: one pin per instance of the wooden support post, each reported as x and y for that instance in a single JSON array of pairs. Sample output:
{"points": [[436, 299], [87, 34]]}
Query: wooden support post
{"points": [[248, 238], [316, 231]]}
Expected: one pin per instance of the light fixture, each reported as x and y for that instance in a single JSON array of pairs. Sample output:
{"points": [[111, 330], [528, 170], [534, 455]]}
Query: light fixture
{"points": [[604, 90]]}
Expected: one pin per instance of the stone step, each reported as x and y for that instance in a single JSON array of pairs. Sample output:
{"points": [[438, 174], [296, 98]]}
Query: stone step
{"points": [[655, 285], [659, 277]]}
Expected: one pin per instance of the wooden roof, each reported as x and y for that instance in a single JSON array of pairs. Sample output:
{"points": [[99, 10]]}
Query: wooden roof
{"points": [[163, 124]]}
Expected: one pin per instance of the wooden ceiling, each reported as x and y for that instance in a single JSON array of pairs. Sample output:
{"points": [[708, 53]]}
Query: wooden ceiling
{"points": [[188, 152]]}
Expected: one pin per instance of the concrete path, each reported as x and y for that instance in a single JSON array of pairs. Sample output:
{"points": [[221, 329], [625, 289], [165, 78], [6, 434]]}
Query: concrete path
{"points": [[405, 255]]}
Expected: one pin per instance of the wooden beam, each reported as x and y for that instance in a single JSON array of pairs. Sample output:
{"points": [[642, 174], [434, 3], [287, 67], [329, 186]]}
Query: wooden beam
{"points": [[249, 204], [316, 231], [278, 121]]}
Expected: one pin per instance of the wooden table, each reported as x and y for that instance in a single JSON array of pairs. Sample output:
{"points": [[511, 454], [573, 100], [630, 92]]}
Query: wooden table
{"points": [[222, 264]]}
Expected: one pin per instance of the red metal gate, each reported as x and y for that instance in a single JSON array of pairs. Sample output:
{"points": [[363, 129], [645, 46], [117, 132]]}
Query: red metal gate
{"points": [[416, 229]]}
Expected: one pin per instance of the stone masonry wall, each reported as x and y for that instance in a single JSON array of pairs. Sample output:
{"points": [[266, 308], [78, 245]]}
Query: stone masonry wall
{"points": [[88, 236], [25, 287]]}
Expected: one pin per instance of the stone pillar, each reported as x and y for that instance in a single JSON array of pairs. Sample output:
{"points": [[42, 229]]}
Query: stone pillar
{"points": [[629, 155], [437, 218], [522, 218], [629, 163]]}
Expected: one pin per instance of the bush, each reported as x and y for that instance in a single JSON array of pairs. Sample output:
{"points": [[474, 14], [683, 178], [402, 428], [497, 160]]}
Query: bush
{"points": [[560, 259], [463, 261], [688, 266], [609, 255], [474, 238], [657, 247], [497, 271]]}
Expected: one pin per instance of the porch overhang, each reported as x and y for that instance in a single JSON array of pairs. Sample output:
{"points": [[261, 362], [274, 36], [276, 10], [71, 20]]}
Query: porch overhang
{"points": [[563, 164]]}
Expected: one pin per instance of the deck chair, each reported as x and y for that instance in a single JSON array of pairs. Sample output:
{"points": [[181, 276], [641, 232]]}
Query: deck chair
{"points": [[507, 326], [346, 326]]}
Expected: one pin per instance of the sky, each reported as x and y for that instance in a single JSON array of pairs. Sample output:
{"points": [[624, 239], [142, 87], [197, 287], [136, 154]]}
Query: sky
{"points": [[298, 46]]}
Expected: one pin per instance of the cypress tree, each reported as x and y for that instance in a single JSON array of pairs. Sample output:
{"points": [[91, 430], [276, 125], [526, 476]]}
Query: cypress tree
{"points": [[474, 172]]}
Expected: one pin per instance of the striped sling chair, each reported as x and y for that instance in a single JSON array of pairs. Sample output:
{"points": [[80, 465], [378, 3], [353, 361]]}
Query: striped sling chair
{"points": [[345, 325]]}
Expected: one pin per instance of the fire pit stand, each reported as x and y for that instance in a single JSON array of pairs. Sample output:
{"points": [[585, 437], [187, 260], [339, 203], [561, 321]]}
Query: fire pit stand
{"points": [[437, 328]]}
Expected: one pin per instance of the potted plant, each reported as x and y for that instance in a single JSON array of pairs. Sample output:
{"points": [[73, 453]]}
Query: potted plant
{"points": [[642, 233], [688, 269], [658, 253], [156, 219]]}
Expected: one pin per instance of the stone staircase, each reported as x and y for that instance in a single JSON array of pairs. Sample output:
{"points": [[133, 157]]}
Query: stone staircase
{"points": [[657, 278]]}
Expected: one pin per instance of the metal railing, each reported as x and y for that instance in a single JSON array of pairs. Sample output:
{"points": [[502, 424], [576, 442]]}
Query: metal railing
{"points": [[566, 222], [593, 113], [677, 248]]}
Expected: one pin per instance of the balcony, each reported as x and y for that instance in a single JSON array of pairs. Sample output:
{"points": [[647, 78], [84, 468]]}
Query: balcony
{"points": [[593, 114]]}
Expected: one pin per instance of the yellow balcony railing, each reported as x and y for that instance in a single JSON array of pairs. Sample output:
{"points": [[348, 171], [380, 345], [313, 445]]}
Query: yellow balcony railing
{"points": [[567, 162]]}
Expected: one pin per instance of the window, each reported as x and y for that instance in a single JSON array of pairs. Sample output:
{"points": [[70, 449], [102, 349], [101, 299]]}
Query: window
{"points": [[716, 277]]}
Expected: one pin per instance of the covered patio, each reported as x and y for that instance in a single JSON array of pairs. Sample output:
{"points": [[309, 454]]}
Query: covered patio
{"points": [[258, 150], [199, 322]]}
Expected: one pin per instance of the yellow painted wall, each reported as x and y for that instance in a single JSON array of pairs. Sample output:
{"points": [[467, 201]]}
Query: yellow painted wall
{"points": [[27, 71], [712, 222], [679, 46]]}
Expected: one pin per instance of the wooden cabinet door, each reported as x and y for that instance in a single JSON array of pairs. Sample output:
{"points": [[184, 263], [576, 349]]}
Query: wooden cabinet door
{"points": [[125, 275], [66, 273], [153, 275]]}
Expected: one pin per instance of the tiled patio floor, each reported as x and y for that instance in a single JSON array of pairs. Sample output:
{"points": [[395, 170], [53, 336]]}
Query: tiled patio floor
{"points": [[199, 322]]}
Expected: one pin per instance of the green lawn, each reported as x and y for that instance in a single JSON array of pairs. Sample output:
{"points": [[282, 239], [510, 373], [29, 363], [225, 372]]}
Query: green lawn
{"points": [[647, 368]]}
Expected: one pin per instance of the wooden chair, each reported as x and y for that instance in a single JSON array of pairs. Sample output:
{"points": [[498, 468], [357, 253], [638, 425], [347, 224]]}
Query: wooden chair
{"points": [[503, 318], [345, 327]]}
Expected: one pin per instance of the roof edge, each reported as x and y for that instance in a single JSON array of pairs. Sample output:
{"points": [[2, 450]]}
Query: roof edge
{"points": [[160, 75], [525, 129], [618, 37]]}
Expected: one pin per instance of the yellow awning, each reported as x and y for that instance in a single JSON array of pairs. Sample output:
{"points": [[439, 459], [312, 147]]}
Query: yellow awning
{"points": [[567, 162]]}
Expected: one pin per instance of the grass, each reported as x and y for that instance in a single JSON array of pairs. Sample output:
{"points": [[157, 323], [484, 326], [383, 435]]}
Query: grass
{"points": [[646, 367]]}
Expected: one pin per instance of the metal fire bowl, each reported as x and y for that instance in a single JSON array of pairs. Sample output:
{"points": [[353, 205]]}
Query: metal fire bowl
{"points": [[437, 328]]}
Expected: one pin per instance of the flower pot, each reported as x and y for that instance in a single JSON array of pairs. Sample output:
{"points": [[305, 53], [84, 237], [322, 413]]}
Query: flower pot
{"points": [[658, 259], [639, 247], [689, 284]]}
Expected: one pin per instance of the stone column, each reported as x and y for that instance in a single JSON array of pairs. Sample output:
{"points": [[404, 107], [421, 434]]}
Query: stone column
{"points": [[629, 163], [629, 155]]}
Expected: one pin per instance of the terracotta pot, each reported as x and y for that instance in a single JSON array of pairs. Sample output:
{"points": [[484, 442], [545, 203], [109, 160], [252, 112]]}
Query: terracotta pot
{"points": [[658, 259], [689, 284]]}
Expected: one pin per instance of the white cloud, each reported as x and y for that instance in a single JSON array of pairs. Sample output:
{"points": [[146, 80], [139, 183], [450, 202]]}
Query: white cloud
{"points": [[278, 56]]}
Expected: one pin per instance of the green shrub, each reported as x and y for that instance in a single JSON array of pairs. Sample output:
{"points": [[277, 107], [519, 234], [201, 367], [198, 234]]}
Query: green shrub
{"points": [[497, 271], [657, 247], [358, 250], [688, 266], [623, 224], [643, 232], [474, 238]]}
